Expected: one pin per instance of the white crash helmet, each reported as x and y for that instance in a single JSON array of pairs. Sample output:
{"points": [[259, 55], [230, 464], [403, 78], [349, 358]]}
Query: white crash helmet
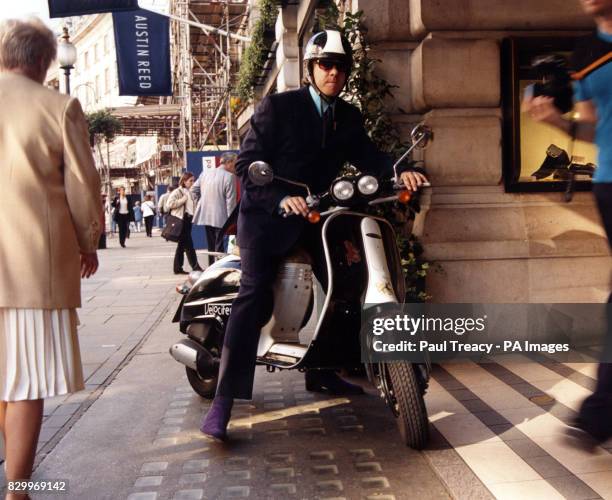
{"points": [[328, 45]]}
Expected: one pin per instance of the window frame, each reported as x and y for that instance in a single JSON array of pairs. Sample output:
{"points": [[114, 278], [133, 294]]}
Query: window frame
{"points": [[512, 50]]}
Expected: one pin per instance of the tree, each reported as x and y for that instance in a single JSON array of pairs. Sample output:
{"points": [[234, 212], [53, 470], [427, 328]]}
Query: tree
{"points": [[104, 127]]}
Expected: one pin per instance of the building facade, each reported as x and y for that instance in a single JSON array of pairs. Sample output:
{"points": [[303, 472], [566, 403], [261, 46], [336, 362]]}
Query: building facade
{"points": [[497, 234], [133, 160]]}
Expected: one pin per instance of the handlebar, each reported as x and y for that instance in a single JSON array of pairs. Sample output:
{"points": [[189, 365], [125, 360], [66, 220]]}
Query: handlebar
{"points": [[401, 195]]}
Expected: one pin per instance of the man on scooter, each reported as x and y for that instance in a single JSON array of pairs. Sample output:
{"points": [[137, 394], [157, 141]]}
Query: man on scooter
{"points": [[305, 135]]}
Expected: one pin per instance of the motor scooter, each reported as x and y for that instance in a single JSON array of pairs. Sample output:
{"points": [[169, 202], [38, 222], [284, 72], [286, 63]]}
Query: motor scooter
{"points": [[363, 270]]}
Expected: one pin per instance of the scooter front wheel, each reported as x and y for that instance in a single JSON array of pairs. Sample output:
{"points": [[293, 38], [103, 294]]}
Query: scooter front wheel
{"points": [[205, 387], [408, 404]]}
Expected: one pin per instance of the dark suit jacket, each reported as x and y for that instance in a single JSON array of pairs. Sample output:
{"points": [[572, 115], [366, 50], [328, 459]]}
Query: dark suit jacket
{"points": [[287, 132], [115, 205]]}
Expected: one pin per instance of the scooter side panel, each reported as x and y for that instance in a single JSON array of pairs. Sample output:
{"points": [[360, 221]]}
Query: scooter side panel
{"points": [[336, 341]]}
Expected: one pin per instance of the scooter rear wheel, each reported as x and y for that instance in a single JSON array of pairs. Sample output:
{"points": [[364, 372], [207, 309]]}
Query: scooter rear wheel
{"points": [[204, 387], [409, 405]]}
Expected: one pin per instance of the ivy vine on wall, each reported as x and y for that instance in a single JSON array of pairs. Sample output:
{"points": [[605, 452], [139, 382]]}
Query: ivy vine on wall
{"points": [[256, 53]]}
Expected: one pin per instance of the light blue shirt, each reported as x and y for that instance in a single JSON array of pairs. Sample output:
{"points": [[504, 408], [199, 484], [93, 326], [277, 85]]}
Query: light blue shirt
{"points": [[321, 104]]}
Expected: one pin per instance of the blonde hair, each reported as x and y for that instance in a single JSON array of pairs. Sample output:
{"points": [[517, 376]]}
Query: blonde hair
{"points": [[28, 45]]}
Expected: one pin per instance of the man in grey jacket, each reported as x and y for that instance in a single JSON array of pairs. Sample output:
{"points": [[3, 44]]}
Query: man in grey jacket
{"points": [[215, 191]]}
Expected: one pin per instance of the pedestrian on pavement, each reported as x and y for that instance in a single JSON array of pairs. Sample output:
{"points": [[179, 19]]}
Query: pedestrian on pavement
{"points": [[215, 191], [124, 213], [148, 210], [182, 205], [161, 204], [312, 150], [137, 217], [113, 219], [593, 96], [51, 220]]}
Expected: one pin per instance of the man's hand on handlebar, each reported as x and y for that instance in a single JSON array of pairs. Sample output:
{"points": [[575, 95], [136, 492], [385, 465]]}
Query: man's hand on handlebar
{"points": [[413, 180], [295, 205]]}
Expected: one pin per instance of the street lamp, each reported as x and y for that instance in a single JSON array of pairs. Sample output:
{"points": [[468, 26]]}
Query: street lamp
{"points": [[67, 56]]}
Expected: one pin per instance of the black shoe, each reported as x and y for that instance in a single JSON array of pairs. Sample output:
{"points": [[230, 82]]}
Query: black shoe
{"points": [[181, 272], [578, 437], [329, 381], [556, 161], [123, 245], [198, 268]]}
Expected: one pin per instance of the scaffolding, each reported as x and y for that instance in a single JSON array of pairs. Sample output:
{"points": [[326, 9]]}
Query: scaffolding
{"points": [[205, 65]]}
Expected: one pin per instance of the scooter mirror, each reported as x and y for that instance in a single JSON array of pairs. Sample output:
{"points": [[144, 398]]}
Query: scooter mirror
{"points": [[421, 135], [260, 173]]}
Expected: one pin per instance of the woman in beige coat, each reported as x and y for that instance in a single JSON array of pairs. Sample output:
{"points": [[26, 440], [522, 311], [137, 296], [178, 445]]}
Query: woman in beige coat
{"points": [[50, 215], [182, 205]]}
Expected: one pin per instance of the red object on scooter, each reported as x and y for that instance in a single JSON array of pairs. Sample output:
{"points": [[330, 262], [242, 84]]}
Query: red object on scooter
{"points": [[404, 196], [314, 217]]}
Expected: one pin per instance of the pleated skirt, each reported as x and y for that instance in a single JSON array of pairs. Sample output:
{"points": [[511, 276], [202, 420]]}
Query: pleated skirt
{"points": [[39, 354]]}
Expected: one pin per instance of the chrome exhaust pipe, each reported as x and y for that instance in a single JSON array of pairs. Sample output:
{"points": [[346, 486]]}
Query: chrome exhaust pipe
{"points": [[186, 351]]}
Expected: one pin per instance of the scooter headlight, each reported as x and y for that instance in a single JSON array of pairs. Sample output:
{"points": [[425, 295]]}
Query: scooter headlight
{"points": [[343, 190], [367, 185]]}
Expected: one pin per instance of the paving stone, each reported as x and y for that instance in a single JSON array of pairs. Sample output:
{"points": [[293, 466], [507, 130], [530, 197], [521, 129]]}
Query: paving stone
{"points": [[375, 482], [315, 430], [153, 467], [145, 495], [236, 492], [238, 475], [273, 406], [173, 421], [351, 428], [278, 433], [284, 472], [148, 481], [368, 467], [273, 390], [196, 465], [312, 421], [329, 486], [284, 488], [280, 458], [179, 404], [176, 411], [325, 469], [274, 397], [169, 430], [362, 454], [192, 478], [238, 461], [188, 495]]}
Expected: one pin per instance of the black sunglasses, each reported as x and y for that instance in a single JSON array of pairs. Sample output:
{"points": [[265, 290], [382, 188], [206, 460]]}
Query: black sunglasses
{"points": [[329, 65]]}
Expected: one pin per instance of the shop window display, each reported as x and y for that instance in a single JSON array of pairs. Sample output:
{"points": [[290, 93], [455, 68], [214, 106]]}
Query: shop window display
{"points": [[538, 157]]}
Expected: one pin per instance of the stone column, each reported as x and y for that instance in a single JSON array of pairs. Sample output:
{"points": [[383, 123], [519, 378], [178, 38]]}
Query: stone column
{"points": [[491, 246], [287, 52]]}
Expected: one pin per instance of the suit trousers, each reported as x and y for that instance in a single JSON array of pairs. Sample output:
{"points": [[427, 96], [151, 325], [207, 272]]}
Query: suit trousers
{"points": [[596, 410], [185, 246], [251, 311], [149, 225], [214, 239], [123, 221]]}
